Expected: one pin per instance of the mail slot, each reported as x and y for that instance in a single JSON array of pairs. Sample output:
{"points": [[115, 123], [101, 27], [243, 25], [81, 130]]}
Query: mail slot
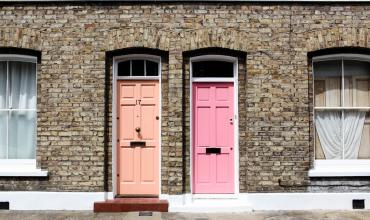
{"points": [[137, 143], [213, 150]]}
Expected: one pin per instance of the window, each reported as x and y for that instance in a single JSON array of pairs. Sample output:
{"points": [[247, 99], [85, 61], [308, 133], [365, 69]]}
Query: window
{"points": [[213, 69], [17, 108], [138, 68], [342, 112]]}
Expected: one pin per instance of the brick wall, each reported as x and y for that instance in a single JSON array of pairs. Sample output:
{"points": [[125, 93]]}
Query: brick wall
{"points": [[274, 108]]}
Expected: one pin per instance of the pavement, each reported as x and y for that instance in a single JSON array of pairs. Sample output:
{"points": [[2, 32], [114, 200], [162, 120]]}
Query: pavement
{"points": [[258, 215]]}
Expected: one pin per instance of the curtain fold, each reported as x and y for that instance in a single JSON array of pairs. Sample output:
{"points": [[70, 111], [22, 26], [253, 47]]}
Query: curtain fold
{"points": [[22, 123], [353, 126], [329, 128]]}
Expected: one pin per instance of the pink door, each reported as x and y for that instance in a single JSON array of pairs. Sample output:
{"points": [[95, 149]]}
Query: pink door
{"points": [[213, 137], [138, 125]]}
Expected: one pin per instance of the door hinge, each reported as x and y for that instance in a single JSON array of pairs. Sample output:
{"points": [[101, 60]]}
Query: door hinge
{"points": [[117, 174], [117, 118], [117, 140]]}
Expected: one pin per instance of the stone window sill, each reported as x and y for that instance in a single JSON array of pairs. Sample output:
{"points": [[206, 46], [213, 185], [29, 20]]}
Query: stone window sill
{"points": [[21, 168], [340, 168]]}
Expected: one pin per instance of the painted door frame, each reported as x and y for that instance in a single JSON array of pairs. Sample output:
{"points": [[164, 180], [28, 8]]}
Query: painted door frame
{"points": [[115, 78], [234, 60]]}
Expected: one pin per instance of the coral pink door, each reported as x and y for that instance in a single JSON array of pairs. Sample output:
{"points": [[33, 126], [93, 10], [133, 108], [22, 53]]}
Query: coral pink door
{"points": [[138, 125], [213, 138]]}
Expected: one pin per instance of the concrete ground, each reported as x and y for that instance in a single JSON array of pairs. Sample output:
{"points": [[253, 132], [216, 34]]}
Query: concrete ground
{"points": [[267, 215]]}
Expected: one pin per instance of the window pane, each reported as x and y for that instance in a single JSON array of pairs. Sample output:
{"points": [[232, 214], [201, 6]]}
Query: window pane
{"points": [[328, 126], [213, 69], [22, 135], [356, 83], [364, 151], [3, 82], [151, 68], [3, 132], [137, 67], [124, 68], [328, 81], [22, 85]]}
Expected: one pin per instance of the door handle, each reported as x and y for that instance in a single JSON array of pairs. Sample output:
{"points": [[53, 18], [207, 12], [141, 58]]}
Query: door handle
{"points": [[137, 129]]}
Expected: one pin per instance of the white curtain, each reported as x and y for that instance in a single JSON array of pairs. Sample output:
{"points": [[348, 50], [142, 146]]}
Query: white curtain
{"points": [[329, 130], [22, 123], [353, 126], [328, 127], [3, 114]]}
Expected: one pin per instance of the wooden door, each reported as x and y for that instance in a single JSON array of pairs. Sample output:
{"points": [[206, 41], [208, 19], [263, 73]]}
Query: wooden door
{"points": [[138, 137], [213, 137]]}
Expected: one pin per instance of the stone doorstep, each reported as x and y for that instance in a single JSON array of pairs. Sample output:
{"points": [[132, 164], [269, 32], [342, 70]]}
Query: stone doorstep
{"points": [[132, 205]]}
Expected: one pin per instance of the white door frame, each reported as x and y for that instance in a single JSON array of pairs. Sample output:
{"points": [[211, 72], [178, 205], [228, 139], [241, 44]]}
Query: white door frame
{"points": [[234, 60], [115, 78]]}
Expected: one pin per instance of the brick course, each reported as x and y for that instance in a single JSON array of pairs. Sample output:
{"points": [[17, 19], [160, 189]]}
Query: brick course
{"points": [[275, 114]]}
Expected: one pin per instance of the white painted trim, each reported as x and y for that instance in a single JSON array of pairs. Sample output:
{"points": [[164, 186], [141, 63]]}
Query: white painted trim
{"points": [[342, 108], [115, 78], [34, 200], [234, 60], [153, 58], [342, 56], [266, 201], [17, 57], [20, 167], [210, 79], [333, 168]]}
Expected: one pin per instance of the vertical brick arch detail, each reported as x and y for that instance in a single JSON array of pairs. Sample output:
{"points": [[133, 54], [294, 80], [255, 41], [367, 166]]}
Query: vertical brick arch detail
{"points": [[337, 37], [137, 37], [20, 38]]}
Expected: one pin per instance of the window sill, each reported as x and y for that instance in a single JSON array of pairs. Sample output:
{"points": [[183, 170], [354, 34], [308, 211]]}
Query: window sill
{"points": [[20, 168], [340, 168], [24, 173]]}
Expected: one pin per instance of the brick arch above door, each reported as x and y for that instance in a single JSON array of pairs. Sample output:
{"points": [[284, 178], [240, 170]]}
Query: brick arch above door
{"points": [[138, 37], [214, 37]]}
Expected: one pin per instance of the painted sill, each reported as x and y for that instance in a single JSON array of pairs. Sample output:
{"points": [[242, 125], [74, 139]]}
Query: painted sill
{"points": [[340, 168], [20, 168]]}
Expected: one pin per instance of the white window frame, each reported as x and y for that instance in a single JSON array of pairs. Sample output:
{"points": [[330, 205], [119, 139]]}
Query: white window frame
{"points": [[145, 57], [342, 167], [20, 167]]}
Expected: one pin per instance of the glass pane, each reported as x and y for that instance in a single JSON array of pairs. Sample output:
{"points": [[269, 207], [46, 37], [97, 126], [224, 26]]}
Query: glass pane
{"points": [[364, 149], [124, 68], [3, 132], [22, 85], [3, 82], [213, 69], [328, 75], [151, 68], [356, 83], [328, 126], [137, 67], [22, 135]]}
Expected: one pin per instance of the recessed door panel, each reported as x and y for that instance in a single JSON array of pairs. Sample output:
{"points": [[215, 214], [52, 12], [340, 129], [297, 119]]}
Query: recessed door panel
{"points": [[137, 131], [213, 137]]}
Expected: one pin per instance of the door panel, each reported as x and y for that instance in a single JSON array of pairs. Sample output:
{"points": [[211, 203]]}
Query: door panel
{"points": [[138, 133], [213, 115]]}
